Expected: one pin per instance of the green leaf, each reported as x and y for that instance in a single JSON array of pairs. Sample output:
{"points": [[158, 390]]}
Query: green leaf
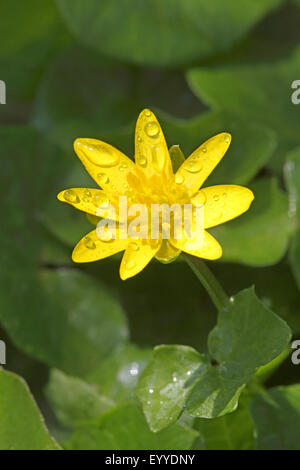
{"points": [[260, 236], [265, 372], [168, 33], [85, 325], [260, 93], [64, 118], [62, 317], [22, 426], [275, 286], [167, 381], [117, 376], [233, 431], [292, 178], [247, 336], [125, 428], [75, 400], [37, 33], [276, 416], [242, 161]]}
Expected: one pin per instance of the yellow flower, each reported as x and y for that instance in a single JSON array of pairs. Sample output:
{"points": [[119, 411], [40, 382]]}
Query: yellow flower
{"points": [[150, 180]]}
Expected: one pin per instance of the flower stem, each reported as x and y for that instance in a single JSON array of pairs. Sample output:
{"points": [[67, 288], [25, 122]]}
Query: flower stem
{"points": [[208, 280]]}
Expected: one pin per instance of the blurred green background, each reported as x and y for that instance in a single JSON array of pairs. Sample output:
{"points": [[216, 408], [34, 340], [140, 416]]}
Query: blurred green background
{"points": [[77, 68]]}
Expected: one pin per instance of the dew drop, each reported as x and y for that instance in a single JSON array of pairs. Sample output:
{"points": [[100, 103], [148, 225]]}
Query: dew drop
{"points": [[89, 243], [179, 179], [224, 194], [103, 178], [100, 200], [199, 199], [216, 197], [227, 138], [134, 369], [147, 112], [129, 263], [101, 156], [204, 149], [87, 193], [194, 166], [142, 161], [133, 246], [123, 167], [105, 235], [152, 129], [158, 157], [71, 196]]}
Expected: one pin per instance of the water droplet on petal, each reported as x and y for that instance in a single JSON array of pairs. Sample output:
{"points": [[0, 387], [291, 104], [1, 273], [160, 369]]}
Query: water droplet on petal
{"points": [[130, 264], [227, 138], [152, 129], [100, 200], [103, 178], [194, 166], [101, 155], [123, 166], [199, 199], [142, 161], [71, 196], [105, 235], [179, 179], [216, 197], [133, 246], [158, 157], [147, 112], [224, 194], [89, 243], [204, 149], [87, 193]]}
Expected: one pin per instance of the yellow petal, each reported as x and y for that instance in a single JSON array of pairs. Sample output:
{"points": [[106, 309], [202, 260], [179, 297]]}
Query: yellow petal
{"points": [[209, 248], [224, 202], [91, 248], [198, 166], [109, 167], [92, 201], [137, 255], [151, 151], [167, 253]]}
